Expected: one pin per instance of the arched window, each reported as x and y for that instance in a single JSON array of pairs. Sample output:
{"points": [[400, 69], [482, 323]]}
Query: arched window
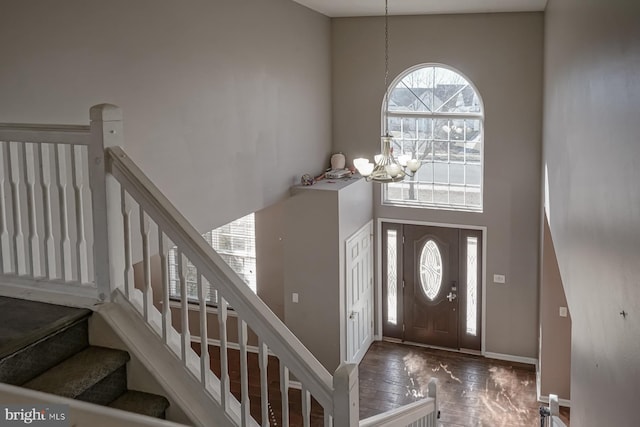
{"points": [[435, 115]]}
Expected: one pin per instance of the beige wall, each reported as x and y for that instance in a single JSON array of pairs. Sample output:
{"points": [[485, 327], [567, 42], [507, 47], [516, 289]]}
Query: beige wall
{"points": [[225, 101], [318, 223], [555, 331], [502, 55], [591, 148], [270, 260]]}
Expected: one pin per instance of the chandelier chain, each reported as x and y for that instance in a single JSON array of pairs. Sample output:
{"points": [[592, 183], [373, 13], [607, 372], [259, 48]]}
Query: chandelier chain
{"points": [[385, 167], [386, 63], [386, 43]]}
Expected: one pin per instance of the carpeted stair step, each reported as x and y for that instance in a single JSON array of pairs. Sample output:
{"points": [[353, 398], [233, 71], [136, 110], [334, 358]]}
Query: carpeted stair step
{"points": [[96, 375], [143, 403], [32, 342]]}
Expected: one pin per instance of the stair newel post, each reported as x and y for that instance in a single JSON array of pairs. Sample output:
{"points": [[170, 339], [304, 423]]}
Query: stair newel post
{"points": [[432, 393], [346, 406], [108, 237]]}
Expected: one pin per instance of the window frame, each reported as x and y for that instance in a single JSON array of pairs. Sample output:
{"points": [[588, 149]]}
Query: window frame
{"points": [[387, 115], [174, 280]]}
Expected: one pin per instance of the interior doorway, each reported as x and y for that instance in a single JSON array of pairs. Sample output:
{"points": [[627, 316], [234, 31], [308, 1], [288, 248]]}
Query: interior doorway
{"points": [[359, 293], [432, 285]]}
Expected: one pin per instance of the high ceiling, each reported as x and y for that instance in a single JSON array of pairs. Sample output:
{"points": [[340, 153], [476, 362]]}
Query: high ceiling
{"points": [[341, 8]]}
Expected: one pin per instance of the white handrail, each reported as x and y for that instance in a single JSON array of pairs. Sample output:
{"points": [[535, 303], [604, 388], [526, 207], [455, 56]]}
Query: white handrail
{"points": [[298, 359], [45, 134], [402, 416]]}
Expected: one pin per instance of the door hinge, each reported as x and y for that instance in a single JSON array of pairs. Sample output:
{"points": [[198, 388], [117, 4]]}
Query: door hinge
{"points": [[403, 240], [403, 327], [402, 283]]}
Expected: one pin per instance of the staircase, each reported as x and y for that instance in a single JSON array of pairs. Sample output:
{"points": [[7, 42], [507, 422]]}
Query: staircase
{"points": [[77, 216], [45, 347]]}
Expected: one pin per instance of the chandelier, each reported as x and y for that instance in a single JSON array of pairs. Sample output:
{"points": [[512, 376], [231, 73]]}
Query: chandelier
{"points": [[386, 168]]}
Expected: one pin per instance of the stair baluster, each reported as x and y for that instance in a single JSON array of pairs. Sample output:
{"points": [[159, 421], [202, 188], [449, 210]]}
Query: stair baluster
{"points": [[284, 392], [185, 342], [244, 374], [78, 179], [126, 207], [306, 407], [263, 362], [5, 245], [147, 292], [224, 360], [13, 167], [61, 167], [163, 250], [28, 155]]}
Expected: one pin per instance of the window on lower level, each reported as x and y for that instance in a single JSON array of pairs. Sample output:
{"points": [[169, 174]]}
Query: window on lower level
{"points": [[235, 243], [435, 115]]}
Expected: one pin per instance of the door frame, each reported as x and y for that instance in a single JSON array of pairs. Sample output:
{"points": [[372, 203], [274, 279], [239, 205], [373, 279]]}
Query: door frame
{"points": [[378, 272], [373, 337]]}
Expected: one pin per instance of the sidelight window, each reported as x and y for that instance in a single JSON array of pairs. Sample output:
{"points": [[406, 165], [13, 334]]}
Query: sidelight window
{"points": [[472, 285], [392, 277]]}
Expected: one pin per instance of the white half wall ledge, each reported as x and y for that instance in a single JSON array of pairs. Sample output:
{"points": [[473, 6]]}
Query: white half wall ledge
{"points": [[511, 358]]}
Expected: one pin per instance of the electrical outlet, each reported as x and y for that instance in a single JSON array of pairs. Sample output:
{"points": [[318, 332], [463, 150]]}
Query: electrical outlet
{"points": [[294, 297], [499, 278], [563, 312]]}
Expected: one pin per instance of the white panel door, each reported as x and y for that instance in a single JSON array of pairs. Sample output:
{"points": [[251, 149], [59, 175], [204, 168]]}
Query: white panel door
{"points": [[359, 288]]}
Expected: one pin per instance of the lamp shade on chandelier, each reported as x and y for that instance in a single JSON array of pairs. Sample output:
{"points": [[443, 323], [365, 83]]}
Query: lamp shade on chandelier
{"points": [[386, 168]]}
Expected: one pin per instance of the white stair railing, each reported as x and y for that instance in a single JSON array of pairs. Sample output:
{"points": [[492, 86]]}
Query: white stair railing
{"points": [[142, 223], [69, 246], [422, 413], [46, 218]]}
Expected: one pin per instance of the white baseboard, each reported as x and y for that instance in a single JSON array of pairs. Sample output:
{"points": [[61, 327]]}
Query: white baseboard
{"points": [[499, 356], [512, 358]]}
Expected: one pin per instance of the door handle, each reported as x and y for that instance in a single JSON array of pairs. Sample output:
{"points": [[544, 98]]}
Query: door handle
{"points": [[451, 296], [352, 315]]}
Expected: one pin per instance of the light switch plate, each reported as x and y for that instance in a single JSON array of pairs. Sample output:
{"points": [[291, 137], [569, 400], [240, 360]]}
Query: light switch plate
{"points": [[499, 278], [563, 312], [294, 297]]}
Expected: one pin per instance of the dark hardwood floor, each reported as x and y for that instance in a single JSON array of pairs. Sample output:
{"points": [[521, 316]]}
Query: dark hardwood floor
{"points": [[473, 391]]}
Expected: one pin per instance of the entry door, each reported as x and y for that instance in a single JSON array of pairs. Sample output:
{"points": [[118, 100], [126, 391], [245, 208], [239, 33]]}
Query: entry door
{"points": [[359, 288], [431, 285]]}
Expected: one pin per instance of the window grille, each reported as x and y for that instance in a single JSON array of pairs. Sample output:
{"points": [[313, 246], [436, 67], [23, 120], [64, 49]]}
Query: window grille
{"points": [[435, 115], [235, 243]]}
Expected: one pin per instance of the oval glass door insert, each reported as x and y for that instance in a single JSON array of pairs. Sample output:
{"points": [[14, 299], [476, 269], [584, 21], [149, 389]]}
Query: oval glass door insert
{"points": [[430, 269]]}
